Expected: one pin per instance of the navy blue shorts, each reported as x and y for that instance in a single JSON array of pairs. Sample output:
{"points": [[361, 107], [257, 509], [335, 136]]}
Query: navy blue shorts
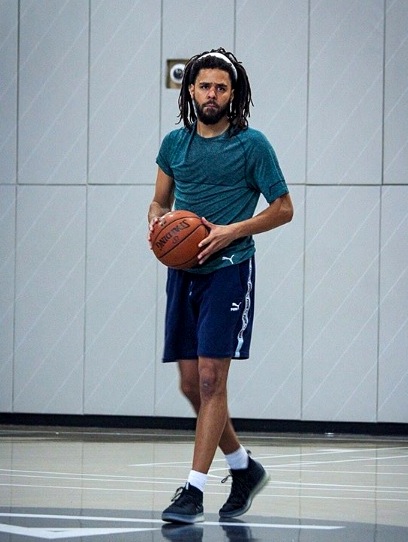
{"points": [[210, 315]]}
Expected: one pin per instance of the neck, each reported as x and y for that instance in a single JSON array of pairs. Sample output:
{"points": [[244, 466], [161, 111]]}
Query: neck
{"points": [[212, 130]]}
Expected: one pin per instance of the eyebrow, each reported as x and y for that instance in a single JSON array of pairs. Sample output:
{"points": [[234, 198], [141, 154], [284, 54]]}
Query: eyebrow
{"points": [[223, 84]]}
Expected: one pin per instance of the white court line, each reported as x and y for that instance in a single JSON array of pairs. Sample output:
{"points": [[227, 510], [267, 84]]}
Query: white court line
{"points": [[142, 520], [360, 498], [295, 455], [79, 533], [276, 484], [335, 461]]}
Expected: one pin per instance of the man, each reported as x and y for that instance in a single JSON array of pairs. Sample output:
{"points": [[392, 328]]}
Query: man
{"points": [[217, 167]]}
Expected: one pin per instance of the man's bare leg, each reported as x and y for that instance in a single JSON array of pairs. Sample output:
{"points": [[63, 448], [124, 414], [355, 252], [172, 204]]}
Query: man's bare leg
{"points": [[190, 387], [205, 384], [254, 475]]}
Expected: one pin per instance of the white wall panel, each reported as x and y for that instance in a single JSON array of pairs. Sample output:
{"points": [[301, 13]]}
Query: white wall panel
{"points": [[393, 346], [7, 271], [124, 91], [273, 46], [268, 385], [83, 96], [50, 279], [121, 311], [53, 92], [396, 93], [8, 90], [345, 92], [341, 303], [189, 28]]}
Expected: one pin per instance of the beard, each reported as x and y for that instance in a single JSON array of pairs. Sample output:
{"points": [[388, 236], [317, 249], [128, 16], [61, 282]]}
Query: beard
{"points": [[210, 115]]}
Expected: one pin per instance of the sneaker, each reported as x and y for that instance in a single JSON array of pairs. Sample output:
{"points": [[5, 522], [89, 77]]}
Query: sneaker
{"points": [[246, 483], [187, 506]]}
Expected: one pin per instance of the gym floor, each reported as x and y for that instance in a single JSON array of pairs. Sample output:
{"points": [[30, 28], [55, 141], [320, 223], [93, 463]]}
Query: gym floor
{"points": [[112, 485]]}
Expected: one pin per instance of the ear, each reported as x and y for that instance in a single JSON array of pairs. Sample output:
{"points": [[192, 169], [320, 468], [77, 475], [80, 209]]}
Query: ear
{"points": [[191, 91]]}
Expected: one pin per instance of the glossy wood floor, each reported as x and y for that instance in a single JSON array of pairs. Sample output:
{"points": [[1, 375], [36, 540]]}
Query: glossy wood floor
{"points": [[113, 485]]}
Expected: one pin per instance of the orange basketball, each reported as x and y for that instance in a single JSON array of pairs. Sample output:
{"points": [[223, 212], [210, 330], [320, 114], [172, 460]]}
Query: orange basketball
{"points": [[175, 239]]}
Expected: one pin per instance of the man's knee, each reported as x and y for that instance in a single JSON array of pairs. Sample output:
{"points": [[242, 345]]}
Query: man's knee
{"points": [[189, 381], [190, 388], [208, 385], [213, 378]]}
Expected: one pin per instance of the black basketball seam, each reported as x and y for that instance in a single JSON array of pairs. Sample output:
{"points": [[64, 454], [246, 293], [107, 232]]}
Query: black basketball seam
{"points": [[159, 232], [186, 237]]}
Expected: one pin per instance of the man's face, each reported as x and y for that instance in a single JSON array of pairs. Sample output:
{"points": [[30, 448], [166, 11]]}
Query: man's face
{"points": [[212, 93]]}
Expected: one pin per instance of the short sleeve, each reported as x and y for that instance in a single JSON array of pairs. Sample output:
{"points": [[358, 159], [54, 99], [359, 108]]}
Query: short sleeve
{"points": [[163, 159], [264, 172]]}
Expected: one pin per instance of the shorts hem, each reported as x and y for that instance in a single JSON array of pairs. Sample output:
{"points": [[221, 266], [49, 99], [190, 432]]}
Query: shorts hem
{"points": [[243, 355], [193, 358], [175, 360]]}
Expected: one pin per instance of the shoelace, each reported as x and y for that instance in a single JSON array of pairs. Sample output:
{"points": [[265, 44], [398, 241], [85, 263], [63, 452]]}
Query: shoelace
{"points": [[177, 494], [230, 475]]}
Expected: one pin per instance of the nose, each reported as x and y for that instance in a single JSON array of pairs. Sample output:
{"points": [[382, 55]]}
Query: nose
{"points": [[212, 92]]}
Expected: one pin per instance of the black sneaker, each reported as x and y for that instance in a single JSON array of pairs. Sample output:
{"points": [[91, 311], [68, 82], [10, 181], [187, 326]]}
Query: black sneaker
{"points": [[187, 506], [246, 483]]}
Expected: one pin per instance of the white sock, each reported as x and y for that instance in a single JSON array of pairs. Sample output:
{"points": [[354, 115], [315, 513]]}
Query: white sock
{"points": [[197, 479], [238, 459]]}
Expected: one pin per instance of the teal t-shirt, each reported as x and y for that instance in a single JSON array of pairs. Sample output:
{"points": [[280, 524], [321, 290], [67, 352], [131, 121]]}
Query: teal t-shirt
{"points": [[221, 178]]}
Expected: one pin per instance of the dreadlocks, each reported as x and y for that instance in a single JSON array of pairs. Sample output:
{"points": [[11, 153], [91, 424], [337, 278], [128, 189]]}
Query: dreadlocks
{"points": [[242, 100]]}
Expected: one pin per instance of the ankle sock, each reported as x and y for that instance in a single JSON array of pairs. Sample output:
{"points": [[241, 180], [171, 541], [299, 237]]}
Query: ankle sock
{"points": [[197, 479], [238, 459]]}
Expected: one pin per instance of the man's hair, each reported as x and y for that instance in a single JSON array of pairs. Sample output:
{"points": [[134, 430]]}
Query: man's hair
{"points": [[239, 110]]}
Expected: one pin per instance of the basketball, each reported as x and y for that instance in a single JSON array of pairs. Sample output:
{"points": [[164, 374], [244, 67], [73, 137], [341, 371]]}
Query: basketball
{"points": [[175, 239]]}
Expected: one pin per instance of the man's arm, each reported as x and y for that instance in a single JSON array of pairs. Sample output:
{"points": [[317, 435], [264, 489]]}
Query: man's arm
{"points": [[278, 213], [163, 196], [162, 200]]}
